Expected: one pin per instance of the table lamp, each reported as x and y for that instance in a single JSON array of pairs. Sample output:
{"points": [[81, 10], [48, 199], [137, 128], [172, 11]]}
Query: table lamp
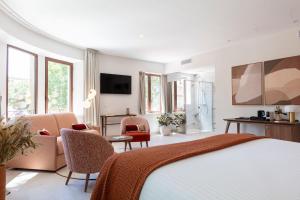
{"points": [[292, 109]]}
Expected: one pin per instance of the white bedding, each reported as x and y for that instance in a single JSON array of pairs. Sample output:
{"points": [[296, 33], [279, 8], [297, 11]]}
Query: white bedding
{"points": [[264, 169]]}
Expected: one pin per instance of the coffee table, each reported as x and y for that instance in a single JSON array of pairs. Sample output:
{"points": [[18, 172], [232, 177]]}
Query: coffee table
{"points": [[120, 138]]}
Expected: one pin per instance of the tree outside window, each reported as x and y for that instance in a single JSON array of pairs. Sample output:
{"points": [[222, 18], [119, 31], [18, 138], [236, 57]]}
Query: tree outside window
{"points": [[153, 93], [21, 82], [59, 86]]}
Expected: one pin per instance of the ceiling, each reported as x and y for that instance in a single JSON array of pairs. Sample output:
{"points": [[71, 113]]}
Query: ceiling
{"points": [[156, 30]]}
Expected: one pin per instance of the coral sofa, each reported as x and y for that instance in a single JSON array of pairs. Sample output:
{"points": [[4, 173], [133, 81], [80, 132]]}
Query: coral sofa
{"points": [[49, 155]]}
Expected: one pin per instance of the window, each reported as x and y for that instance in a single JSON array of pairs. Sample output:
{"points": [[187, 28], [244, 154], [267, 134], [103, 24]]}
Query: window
{"points": [[21, 80], [153, 93], [179, 97], [59, 86]]}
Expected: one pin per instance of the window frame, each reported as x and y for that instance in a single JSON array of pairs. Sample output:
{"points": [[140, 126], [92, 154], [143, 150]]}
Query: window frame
{"points": [[149, 101], [35, 76], [47, 59]]}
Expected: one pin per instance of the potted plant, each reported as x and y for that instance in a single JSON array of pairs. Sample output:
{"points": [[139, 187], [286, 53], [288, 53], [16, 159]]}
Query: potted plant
{"points": [[165, 121], [15, 137], [179, 122]]}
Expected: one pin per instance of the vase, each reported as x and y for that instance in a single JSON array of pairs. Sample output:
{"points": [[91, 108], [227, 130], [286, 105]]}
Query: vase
{"points": [[2, 182], [165, 130]]}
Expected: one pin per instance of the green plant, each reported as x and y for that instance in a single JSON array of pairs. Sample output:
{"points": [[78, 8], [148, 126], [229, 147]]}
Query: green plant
{"points": [[165, 119], [15, 137], [179, 119]]}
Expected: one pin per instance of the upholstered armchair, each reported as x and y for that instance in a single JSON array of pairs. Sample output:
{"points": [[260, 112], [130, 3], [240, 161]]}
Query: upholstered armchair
{"points": [[142, 131], [84, 152]]}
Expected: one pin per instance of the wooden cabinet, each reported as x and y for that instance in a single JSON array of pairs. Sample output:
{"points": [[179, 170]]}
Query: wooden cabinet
{"points": [[283, 132]]}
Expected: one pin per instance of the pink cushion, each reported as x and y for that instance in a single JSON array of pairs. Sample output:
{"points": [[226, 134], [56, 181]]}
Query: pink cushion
{"points": [[131, 128], [40, 122], [65, 120]]}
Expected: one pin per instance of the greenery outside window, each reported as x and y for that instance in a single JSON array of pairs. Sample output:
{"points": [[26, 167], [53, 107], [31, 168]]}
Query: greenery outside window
{"points": [[153, 93], [21, 80], [59, 86]]}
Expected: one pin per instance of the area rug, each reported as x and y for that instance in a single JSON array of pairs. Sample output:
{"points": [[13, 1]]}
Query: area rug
{"points": [[65, 171]]}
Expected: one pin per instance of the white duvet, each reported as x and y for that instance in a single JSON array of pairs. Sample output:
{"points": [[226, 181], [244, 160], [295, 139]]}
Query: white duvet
{"points": [[264, 169]]}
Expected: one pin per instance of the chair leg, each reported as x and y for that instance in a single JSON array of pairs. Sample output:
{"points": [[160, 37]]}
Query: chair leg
{"points": [[86, 182], [130, 147], [69, 176], [125, 146], [147, 144], [141, 144]]}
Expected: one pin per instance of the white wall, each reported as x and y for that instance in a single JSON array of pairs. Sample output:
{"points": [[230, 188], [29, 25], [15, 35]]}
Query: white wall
{"points": [[264, 48], [13, 33], [117, 104]]}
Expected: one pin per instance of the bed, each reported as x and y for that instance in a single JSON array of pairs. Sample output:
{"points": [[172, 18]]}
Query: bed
{"points": [[262, 169]]}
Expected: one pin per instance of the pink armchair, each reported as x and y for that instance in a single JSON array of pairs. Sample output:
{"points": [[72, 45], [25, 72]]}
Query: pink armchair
{"points": [[84, 152], [138, 135]]}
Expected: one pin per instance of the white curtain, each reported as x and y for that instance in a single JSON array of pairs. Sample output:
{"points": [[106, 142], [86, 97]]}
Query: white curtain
{"points": [[164, 93], [91, 81], [142, 100]]}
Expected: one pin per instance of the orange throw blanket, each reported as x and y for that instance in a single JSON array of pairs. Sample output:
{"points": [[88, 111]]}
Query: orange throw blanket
{"points": [[123, 175]]}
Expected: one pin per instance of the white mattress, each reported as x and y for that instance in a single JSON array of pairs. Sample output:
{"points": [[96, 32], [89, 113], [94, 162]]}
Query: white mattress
{"points": [[264, 169]]}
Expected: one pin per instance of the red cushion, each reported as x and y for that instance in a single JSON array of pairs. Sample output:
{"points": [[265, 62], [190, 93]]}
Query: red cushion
{"points": [[138, 136], [79, 127], [131, 128], [44, 132]]}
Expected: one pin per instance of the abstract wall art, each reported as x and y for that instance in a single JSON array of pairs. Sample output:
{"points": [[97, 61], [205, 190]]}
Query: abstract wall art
{"points": [[282, 81], [247, 84]]}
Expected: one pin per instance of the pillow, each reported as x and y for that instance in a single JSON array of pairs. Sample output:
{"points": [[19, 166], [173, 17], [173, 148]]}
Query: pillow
{"points": [[79, 127], [43, 132], [131, 128], [141, 127]]}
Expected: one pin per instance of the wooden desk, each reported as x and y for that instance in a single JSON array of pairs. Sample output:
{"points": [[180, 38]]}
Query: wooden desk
{"points": [[104, 122], [283, 130]]}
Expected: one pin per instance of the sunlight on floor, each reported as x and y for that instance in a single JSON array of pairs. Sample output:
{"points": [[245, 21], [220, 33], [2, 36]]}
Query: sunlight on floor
{"points": [[21, 179]]}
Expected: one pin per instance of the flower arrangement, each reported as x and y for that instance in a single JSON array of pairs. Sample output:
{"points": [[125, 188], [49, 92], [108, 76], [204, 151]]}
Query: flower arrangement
{"points": [[179, 119], [15, 137], [165, 119]]}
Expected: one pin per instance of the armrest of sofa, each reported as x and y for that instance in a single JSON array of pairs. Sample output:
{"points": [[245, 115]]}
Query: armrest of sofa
{"points": [[97, 128], [43, 141], [41, 158]]}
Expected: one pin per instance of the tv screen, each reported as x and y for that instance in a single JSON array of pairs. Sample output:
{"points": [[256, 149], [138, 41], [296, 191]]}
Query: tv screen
{"points": [[115, 84]]}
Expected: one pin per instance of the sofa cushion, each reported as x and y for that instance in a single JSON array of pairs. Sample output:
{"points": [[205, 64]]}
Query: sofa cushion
{"points": [[91, 131], [131, 128], [65, 120], [138, 136], [40, 122], [79, 127], [60, 148]]}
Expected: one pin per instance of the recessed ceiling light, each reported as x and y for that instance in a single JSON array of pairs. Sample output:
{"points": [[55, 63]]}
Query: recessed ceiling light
{"points": [[141, 36]]}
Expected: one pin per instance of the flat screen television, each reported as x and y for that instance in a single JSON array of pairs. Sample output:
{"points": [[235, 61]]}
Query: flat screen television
{"points": [[115, 84]]}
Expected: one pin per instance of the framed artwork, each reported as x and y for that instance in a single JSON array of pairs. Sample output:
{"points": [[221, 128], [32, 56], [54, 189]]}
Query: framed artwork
{"points": [[247, 84], [282, 81]]}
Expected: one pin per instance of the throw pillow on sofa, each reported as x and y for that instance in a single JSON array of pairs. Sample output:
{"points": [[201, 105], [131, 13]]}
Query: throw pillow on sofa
{"points": [[79, 127], [43, 132]]}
